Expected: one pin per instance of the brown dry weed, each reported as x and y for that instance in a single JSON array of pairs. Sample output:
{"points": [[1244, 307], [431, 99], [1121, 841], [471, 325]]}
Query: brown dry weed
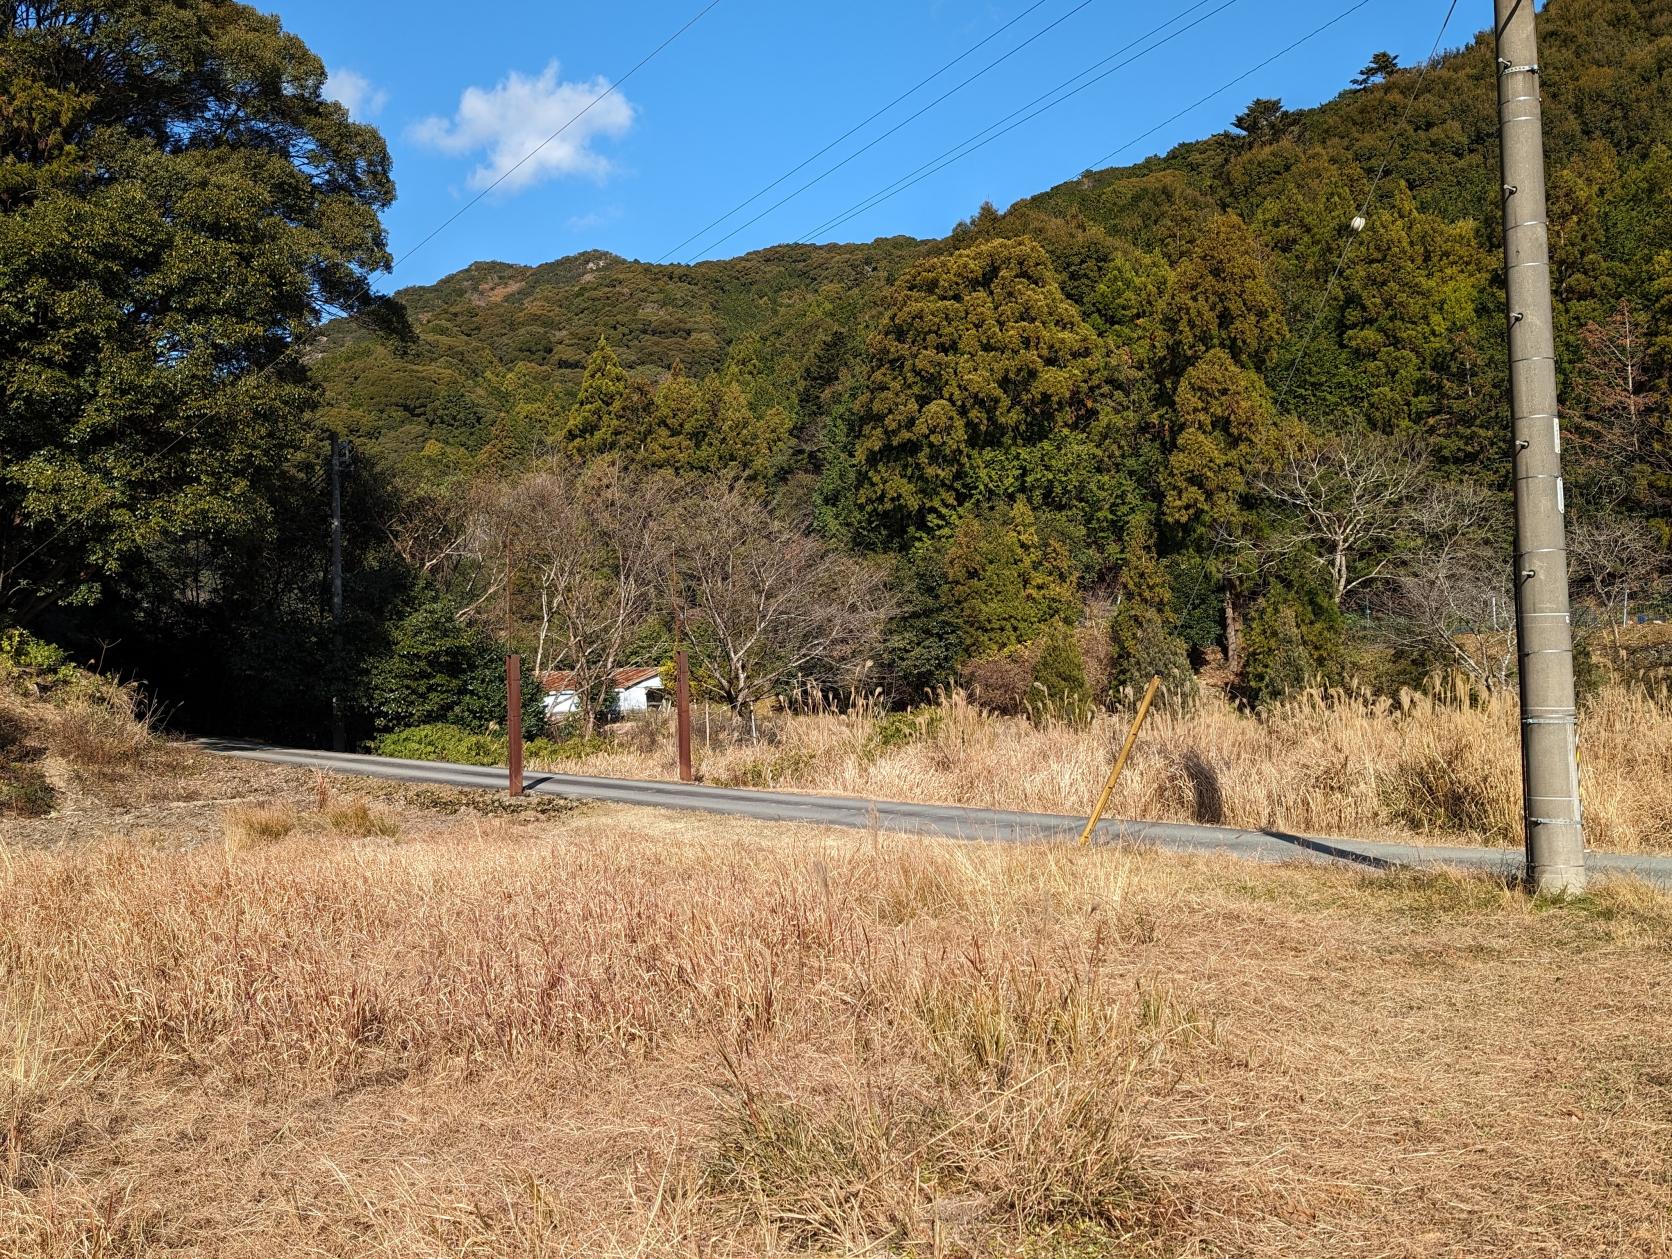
{"points": [[633, 1033], [1445, 768]]}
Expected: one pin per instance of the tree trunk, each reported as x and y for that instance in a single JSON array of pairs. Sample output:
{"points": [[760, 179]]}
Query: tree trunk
{"points": [[1233, 633]]}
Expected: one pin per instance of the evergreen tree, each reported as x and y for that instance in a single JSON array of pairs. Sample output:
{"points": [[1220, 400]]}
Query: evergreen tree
{"points": [[1411, 298], [1005, 581], [179, 202], [1059, 677], [1142, 645], [1221, 298], [1263, 122], [979, 357], [1380, 66], [1226, 429], [594, 424], [1295, 638]]}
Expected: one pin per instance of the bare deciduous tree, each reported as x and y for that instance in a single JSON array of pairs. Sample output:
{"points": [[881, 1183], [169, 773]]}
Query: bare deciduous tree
{"points": [[769, 603], [1618, 419], [1345, 498], [1614, 559], [1455, 599], [589, 544]]}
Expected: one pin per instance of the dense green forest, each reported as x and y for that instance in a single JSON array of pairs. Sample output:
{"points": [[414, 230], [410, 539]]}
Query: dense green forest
{"points": [[1146, 421]]}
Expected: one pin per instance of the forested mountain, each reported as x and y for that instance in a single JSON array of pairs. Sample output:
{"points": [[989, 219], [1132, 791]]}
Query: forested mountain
{"points": [[1139, 385], [1410, 334], [1154, 419]]}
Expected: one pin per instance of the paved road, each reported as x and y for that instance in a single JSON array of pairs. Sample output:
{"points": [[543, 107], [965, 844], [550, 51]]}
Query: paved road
{"points": [[951, 821]]}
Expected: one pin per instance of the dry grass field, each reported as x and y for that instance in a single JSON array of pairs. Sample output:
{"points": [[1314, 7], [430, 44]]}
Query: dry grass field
{"points": [[333, 1018], [250, 1011], [1443, 767]]}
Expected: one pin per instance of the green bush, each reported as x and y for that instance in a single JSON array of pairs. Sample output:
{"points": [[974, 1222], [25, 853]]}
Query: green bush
{"points": [[1295, 639], [1059, 678], [439, 741], [40, 665], [438, 670], [543, 751], [895, 730]]}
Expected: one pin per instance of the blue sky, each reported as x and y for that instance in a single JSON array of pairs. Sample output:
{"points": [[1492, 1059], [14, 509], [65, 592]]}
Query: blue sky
{"points": [[752, 89]]}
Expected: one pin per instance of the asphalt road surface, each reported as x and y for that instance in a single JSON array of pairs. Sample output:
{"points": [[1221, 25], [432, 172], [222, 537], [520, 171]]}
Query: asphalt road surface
{"points": [[949, 821]]}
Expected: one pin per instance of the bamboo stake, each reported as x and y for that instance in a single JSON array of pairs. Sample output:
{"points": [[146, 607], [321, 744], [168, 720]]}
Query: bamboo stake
{"points": [[1120, 760]]}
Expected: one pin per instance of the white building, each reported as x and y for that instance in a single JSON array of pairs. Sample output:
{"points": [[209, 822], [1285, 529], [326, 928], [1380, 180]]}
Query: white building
{"points": [[635, 690]]}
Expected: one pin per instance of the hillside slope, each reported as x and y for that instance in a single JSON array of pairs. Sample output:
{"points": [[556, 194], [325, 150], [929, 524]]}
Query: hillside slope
{"points": [[1296, 178]]}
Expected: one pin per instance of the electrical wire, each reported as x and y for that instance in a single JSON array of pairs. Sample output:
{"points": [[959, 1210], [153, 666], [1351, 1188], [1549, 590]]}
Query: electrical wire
{"points": [[871, 144], [958, 152], [1354, 231], [858, 126], [974, 142], [366, 287]]}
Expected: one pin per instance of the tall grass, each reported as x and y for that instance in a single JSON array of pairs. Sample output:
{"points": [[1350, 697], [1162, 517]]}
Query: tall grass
{"points": [[958, 1037], [631, 1034], [1444, 766]]}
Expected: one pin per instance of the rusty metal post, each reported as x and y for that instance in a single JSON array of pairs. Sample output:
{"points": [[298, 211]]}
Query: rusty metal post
{"points": [[682, 702], [513, 721], [513, 687]]}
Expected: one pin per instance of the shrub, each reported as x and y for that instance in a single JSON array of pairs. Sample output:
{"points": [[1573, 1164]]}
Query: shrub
{"points": [[39, 666], [895, 730], [1058, 686], [571, 749], [1295, 639], [439, 741], [1141, 644], [1002, 681], [439, 670]]}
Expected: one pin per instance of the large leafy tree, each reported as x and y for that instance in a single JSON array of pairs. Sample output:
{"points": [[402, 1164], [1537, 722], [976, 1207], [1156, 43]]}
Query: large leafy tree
{"points": [[979, 358], [1411, 310], [178, 204]]}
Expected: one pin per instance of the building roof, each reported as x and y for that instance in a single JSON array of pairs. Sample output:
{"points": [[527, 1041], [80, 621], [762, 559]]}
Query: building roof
{"points": [[620, 680]]}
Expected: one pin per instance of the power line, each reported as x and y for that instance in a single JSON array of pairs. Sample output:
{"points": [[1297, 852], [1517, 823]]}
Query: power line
{"points": [[871, 144], [970, 144], [918, 86], [1363, 217], [960, 151], [366, 286]]}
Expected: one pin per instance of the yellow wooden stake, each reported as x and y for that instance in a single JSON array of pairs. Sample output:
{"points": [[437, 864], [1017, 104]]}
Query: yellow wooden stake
{"points": [[1120, 761]]}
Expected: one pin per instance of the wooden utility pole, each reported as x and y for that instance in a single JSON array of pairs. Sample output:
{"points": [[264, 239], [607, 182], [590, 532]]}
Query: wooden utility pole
{"points": [[513, 689], [339, 733], [1549, 723]]}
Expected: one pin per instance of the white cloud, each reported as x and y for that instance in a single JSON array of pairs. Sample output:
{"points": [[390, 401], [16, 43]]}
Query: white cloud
{"points": [[355, 92], [511, 120]]}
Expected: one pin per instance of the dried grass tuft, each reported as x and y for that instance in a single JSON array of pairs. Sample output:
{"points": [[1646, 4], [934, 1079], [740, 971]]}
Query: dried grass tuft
{"points": [[355, 819], [253, 826]]}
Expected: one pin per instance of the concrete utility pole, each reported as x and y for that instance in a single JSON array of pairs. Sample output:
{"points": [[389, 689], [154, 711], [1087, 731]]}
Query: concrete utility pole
{"points": [[1549, 760]]}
